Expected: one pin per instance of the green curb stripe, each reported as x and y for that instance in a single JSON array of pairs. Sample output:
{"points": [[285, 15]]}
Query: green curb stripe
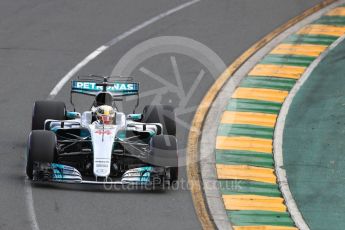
{"points": [[331, 20], [244, 158], [245, 130], [233, 187], [241, 152], [247, 105], [258, 160], [257, 218], [311, 39], [268, 83], [294, 60]]}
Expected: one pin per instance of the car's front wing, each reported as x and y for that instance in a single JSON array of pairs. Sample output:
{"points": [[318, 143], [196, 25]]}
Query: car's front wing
{"points": [[142, 176]]}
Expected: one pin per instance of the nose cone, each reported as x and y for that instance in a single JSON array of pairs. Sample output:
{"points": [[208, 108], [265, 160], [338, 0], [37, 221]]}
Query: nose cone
{"points": [[102, 144]]}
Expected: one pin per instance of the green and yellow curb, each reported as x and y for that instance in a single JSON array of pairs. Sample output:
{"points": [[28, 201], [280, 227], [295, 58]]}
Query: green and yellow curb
{"points": [[245, 135], [261, 94]]}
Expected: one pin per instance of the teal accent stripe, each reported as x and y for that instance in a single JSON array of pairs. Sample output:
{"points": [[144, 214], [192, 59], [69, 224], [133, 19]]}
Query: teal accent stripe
{"points": [[268, 83], [294, 60], [257, 218], [234, 187], [247, 105], [244, 158], [331, 20], [245, 130], [311, 39]]}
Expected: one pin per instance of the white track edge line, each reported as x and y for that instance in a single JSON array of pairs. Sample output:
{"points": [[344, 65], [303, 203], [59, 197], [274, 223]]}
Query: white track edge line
{"points": [[112, 42], [30, 205]]}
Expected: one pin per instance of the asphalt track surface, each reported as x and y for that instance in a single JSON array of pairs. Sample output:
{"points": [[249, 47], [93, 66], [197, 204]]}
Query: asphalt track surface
{"points": [[40, 41]]}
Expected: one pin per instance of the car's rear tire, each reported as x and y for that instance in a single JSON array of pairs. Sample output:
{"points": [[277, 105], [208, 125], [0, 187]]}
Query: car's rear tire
{"points": [[163, 152], [44, 110], [163, 114], [41, 148]]}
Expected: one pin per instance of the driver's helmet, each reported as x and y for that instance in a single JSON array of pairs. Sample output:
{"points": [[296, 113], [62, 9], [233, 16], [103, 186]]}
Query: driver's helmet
{"points": [[105, 114]]}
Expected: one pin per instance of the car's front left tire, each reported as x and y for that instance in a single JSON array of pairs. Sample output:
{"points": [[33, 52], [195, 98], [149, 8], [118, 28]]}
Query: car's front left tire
{"points": [[41, 148], [163, 152], [44, 110], [163, 114]]}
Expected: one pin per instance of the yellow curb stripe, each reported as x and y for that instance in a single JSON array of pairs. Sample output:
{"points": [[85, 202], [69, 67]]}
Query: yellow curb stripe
{"points": [[299, 49], [245, 172], [339, 11], [249, 118], [323, 30], [283, 71], [264, 227], [260, 94], [254, 202], [244, 143]]}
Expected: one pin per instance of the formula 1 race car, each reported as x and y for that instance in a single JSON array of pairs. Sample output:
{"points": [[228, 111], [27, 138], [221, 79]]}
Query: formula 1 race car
{"points": [[103, 145]]}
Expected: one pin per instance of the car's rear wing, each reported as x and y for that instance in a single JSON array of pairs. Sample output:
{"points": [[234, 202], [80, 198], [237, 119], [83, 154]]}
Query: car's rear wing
{"points": [[93, 85], [115, 86]]}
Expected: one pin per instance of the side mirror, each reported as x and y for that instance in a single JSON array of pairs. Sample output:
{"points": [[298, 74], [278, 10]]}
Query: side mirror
{"points": [[120, 119], [86, 119], [135, 116]]}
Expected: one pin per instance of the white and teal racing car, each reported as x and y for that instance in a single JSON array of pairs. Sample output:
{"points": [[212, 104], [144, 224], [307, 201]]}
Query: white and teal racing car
{"points": [[103, 145]]}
